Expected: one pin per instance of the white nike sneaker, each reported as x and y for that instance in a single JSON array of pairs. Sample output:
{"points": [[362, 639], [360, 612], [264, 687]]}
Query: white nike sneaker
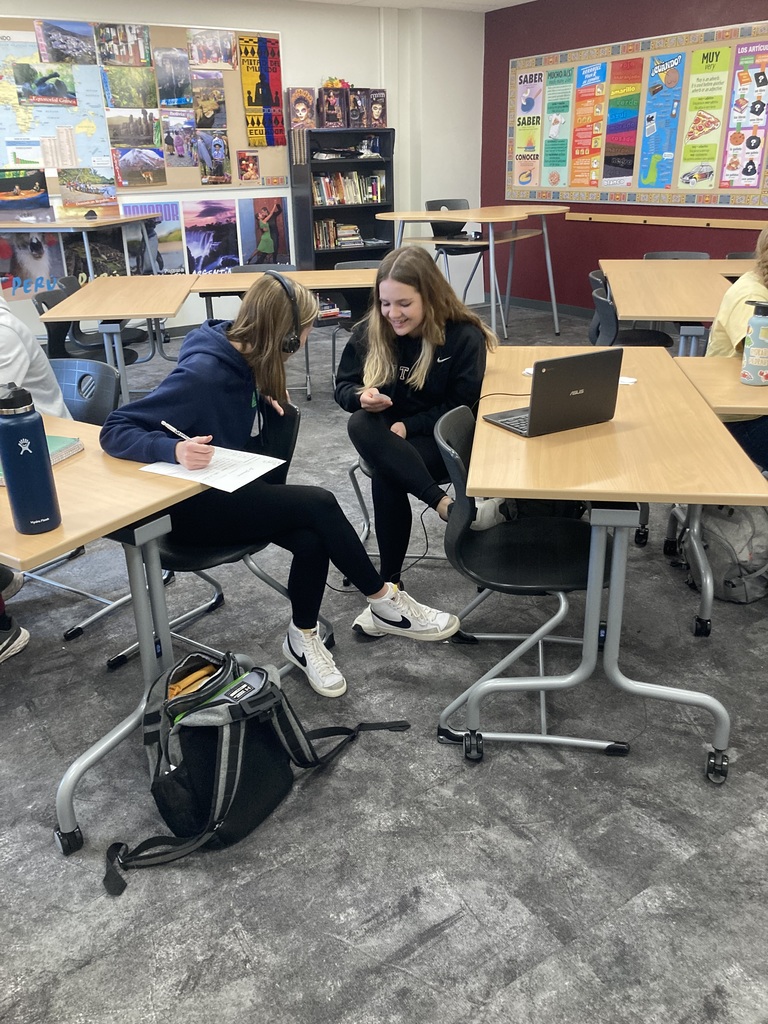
{"points": [[364, 623], [488, 513], [308, 652], [399, 615]]}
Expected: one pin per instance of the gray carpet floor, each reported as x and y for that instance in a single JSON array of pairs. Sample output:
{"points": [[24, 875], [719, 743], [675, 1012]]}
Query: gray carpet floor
{"points": [[402, 883]]}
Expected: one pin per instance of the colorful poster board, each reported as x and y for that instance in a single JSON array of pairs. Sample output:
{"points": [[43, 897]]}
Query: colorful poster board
{"points": [[668, 120]]}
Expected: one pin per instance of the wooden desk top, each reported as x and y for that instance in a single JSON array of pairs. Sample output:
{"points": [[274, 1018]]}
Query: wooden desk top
{"points": [[97, 494], [717, 379], [120, 298], [664, 444], [675, 290], [480, 215], [68, 225], [315, 280]]}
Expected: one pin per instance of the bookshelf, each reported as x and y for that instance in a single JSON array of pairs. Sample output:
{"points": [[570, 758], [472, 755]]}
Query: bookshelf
{"points": [[341, 177]]}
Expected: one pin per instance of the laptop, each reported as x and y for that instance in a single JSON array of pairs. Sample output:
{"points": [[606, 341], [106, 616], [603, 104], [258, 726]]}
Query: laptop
{"points": [[567, 392]]}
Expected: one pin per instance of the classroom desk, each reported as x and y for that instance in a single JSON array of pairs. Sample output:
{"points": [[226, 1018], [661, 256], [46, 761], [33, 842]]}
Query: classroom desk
{"points": [[489, 215], [670, 290], [112, 299], [104, 497], [80, 226], [717, 380], [664, 445]]}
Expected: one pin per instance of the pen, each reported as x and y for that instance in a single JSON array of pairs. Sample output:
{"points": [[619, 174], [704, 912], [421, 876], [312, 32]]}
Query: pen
{"points": [[174, 430]]}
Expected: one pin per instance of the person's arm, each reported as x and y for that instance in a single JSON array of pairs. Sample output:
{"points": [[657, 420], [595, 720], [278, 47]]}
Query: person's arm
{"points": [[14, 357], [349, 376], [467, 366]]}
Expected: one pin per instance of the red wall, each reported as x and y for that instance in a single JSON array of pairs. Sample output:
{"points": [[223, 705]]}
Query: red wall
{"points": [[547, 26]]}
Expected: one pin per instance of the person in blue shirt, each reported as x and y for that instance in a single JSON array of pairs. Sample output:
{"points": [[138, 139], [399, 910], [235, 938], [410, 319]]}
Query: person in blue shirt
{"points": [[228, 375]]}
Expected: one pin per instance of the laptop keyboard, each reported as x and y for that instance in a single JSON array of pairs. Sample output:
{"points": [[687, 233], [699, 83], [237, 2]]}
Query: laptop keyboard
{"points": [[518, 422]]}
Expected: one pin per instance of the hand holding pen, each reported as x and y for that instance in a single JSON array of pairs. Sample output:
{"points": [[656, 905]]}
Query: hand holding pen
{"points": [[192, 452]]}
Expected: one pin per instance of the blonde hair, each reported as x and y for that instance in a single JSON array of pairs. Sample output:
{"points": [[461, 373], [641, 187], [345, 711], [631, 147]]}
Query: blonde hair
{"points": [[414, 266], [761, 256], [263, 323]]}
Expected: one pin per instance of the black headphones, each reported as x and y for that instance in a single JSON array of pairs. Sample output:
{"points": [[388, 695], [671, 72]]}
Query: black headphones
{"points": [[292, 341]]}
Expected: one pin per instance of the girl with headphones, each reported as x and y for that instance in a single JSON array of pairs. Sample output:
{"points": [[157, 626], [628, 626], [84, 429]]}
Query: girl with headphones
{"points": [[228, 381], [419, 352]]}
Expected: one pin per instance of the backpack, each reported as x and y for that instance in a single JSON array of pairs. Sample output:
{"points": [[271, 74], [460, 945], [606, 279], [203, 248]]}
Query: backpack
{"points": [[221, 737], [736, 542]]}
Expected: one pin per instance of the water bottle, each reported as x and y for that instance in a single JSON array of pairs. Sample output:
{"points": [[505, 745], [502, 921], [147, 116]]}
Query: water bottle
{"points": [[754, 366], [26, 464]]}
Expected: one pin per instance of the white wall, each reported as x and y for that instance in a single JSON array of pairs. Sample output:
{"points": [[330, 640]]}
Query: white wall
{"points": [[430, 62]]}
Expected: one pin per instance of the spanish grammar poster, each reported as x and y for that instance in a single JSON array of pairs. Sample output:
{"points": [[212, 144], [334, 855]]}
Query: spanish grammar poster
{"points": [[744, 150], [621, 125], [705, 110], [589, 121], [558, 119], [530, 86], [661, 120]]}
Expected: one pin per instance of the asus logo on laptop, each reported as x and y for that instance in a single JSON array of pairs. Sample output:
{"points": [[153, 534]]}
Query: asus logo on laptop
{"points": [[579, 391]]}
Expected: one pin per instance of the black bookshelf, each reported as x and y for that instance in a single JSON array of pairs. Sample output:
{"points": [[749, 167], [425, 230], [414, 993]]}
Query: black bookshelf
{"points": [[341, 176]]}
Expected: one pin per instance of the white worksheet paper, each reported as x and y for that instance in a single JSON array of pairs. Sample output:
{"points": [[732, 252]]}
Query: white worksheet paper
{"points": [[228, 470]]}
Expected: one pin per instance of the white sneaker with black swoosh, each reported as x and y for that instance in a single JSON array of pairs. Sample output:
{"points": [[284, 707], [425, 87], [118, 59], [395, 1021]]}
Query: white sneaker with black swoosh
{"points": [[308, 652], [399, 615]]}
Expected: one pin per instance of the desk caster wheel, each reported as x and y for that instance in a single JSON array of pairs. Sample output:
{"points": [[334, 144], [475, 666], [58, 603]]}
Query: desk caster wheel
{"points": [[670, 548], [73, 633], [701, 627], [717, 767], [473, 746], [68, 842], [641, 536]]}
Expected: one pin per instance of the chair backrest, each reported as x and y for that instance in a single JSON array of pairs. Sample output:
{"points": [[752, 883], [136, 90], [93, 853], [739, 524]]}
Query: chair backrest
{"points": [[740, 256], [68, 284], [454, 433], [596, 280], [356, 299], [676, 256], [280, 434], [56, 332], [91, 389], [357, 265], [442, 228], [608, 321]]}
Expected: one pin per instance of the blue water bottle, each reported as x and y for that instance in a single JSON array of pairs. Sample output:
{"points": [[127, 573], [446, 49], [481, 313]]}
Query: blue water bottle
{"points": [[26, 464], [754, 365]]}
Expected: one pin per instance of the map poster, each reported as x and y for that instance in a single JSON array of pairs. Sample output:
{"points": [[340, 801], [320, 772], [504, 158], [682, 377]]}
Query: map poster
{"points": [[261, 77], [661, 121], [744, 150], [558, 117], [621, 128], [530, 86], [704, 117], [589, 119]]}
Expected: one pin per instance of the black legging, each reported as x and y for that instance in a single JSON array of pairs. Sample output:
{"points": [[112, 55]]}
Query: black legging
{"points": [[400, 467], [307, 521]]}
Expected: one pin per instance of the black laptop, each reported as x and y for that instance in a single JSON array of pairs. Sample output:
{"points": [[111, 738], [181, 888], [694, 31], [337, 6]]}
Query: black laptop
{"points": [[567, 392]]}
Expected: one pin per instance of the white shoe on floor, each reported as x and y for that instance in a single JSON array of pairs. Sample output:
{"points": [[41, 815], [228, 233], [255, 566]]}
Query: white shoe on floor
{"points": [[12, 640], [308, 652], [399, 615], [488, 513], [14, 586], [364, 623]]}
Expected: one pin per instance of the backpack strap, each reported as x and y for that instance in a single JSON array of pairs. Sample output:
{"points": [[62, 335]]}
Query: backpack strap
{"points": [[298, 742], [164, 849]]}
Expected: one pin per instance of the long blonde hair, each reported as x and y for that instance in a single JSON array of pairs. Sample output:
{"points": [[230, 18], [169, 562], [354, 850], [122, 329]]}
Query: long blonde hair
{"points": [[414, 266], [761, 256], [263, 323]]}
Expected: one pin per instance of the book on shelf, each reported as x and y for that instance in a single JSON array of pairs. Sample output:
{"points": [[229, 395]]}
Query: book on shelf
{"points": [[348, 236], [359, 108], [328, 309], [333, 108], [378, 108], [59, 448], [302, 103]]}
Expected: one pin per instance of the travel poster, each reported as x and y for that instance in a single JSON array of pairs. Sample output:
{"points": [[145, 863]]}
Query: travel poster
{"points": [[744, 150], [123, 44], [621, 126], [263, 230], [530, 86], [589, 120], [164, 236], [70, 42], [704, 113], [261, 77], [661, 120], [558, 119], [210, 230]]}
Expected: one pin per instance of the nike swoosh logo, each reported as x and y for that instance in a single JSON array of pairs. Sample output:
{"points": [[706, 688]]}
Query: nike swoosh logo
{"points": [[444, 359], [402, 624], [302, 659]]}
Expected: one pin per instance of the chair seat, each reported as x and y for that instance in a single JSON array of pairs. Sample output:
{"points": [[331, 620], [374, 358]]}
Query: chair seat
{"points": [[193, 558], [640, 336], [533, 556], [462, 250]]}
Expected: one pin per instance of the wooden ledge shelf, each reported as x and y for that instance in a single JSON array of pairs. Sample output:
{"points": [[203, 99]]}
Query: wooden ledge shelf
{"points": [[678, 222], [469, 243]]}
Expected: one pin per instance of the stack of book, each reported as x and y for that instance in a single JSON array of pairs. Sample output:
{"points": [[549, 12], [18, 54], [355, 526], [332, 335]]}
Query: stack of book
{"points": [[328, 309], [348, 236]]}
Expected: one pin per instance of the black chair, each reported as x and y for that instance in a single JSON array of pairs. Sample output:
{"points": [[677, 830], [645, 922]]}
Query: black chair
{"points": [[176, 557], [444, 231], [357, 302], [740, 255], [93, 339], [608, 332], [690, 332], [59, 334], [530, 557]]}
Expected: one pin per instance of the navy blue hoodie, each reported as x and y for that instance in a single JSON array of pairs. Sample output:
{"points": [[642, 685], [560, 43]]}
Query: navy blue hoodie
{"points": [[209, 391]]}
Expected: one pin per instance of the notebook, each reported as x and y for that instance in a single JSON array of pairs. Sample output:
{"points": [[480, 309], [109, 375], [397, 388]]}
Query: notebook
{"points": [[567, 392], [59, 448]]}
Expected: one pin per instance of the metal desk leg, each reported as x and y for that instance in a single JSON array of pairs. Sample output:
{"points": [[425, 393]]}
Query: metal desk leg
{"points": [[550, 275], [509, 276], [145, 235], [717, 761], [493, 284], [151, 614], [88, 259], [113, 347], [208, 307]]}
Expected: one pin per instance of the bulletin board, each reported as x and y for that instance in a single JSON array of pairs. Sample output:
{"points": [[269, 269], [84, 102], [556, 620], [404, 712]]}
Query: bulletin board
{"points": [[677, 120], [106, 118]]}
